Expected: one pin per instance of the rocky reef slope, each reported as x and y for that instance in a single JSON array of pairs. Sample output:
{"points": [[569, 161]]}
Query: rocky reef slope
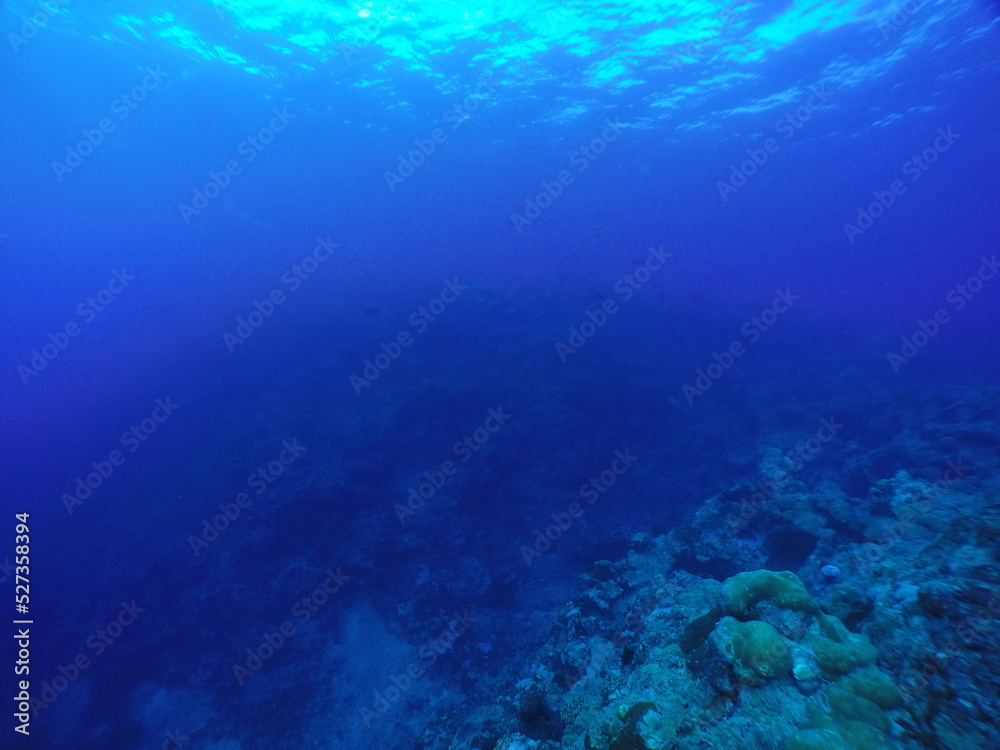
{"points": [[778, 618]]}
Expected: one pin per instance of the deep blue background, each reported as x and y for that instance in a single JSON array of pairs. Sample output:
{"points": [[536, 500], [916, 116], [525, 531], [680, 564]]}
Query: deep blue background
{"points": [[324, 176]]}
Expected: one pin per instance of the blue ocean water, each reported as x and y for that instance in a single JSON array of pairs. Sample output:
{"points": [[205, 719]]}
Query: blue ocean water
{"points": [[341, 339]]}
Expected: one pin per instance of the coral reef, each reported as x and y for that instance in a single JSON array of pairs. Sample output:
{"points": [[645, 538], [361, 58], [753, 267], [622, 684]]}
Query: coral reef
{"points": [[883, 637]]}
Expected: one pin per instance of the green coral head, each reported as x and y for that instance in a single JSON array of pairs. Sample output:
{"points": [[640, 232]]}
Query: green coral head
{"points": [[744, 590], [755, 649]]}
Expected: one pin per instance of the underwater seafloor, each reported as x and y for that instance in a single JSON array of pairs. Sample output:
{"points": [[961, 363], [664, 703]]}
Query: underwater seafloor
{"points": [[873, 501], [885, 637]]}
